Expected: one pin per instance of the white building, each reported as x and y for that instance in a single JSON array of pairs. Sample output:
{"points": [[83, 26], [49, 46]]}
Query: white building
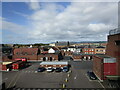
{"points": [[51, 50]]}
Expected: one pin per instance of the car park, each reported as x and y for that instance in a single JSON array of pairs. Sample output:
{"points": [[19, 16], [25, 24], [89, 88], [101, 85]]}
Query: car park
{"points": [[58, 69], [49, 69], [91, 75], [41, 69], [65, 69]]}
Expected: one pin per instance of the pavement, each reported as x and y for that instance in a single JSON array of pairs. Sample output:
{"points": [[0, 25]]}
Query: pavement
{"points": [[30, 78]]}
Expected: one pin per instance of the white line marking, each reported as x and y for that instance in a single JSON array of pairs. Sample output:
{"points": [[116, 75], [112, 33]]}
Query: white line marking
{"points": [[75, 77], [35, 71], [101, 84]]}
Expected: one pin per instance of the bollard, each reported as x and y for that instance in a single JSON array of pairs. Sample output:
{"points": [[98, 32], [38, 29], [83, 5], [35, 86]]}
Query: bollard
{"points": [[63, 85], [66, 80]]}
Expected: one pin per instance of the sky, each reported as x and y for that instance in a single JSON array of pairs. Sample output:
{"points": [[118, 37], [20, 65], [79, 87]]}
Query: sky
{"points": [[45, 22]]}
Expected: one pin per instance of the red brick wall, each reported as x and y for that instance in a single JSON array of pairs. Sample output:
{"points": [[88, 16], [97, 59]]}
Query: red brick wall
{"points": [[67, 53], [52, 66], [98, 67], [5, 58], [113, 50], [88, 51], [29, 57], [54, 57], [77, 57]]}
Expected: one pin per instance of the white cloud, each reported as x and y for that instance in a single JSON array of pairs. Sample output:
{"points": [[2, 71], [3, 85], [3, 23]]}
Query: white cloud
{"points": [[16, 28], [76, 22], [99, 27], [33, 4]]}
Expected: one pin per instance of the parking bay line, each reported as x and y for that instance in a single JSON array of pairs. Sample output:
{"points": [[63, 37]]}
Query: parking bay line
{"points": [[94, 80], [13, 80], [101, 84], [17, 79]]}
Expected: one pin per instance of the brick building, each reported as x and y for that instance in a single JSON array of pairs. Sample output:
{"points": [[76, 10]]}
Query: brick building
{"points": [[36, 54], [88, 50], [80, 57], [54, 64], [113, 48], [48, 57], [7, 53], [113, 51], [104, 66], [28, 53], [100, 50]]}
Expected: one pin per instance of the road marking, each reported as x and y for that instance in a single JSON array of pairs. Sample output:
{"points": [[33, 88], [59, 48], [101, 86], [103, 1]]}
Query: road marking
{"points": [[29, 71], [74, 77], [35, 71], [13, 79], [101, 84], [17, 79]]}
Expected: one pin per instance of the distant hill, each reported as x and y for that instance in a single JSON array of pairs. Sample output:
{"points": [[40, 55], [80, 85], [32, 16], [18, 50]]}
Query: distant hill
{"points": [[84, 42]]}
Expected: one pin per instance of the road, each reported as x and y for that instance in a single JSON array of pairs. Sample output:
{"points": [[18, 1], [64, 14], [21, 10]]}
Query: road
{"points": [[78, 77]]}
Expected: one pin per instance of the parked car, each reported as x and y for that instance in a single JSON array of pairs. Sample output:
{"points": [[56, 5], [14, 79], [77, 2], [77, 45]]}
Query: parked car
{"points": [[58, 69], [91, 75], [41, 69], [49, 69], [65, 69]]}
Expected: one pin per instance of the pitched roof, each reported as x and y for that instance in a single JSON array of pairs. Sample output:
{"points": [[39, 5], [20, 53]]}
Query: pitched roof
{"points": [[28, 51]]}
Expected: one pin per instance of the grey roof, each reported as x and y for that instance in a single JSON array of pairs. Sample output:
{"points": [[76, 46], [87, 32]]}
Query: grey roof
{"points": [[54, 63], [104, 56], [100, 47]]}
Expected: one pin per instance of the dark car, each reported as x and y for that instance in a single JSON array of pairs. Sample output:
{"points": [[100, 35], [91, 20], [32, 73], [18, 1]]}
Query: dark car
{"points": [[91, 75], [41, 69], [65, 69], [58, 69]]}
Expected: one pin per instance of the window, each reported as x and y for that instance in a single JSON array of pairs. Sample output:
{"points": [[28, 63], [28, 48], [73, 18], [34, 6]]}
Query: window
{"points": [[97, 50], [25, 53], [17, 53], [117, 42]]}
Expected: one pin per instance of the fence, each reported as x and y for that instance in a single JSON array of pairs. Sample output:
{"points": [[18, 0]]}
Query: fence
{"points": [[114, 31]]}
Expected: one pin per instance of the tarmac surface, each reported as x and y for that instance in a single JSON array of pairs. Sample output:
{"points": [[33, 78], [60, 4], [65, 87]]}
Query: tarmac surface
{"points": [[30, 78]]}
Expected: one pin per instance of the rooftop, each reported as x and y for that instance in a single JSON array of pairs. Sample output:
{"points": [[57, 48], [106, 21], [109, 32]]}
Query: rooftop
{"points": [[54, 63], [104, 56]]}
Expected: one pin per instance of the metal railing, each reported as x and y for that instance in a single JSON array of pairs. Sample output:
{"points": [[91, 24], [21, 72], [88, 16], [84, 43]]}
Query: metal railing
{"points": [[114, 31]]}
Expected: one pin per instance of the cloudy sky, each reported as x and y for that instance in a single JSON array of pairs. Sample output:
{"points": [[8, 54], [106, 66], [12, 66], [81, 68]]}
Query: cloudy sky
{"points": [[44, 22]]}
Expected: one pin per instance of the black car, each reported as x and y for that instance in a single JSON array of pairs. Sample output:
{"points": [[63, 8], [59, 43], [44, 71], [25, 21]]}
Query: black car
{"points": [[41, 69], [58, 69], [65, 69], [91, 75]]}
